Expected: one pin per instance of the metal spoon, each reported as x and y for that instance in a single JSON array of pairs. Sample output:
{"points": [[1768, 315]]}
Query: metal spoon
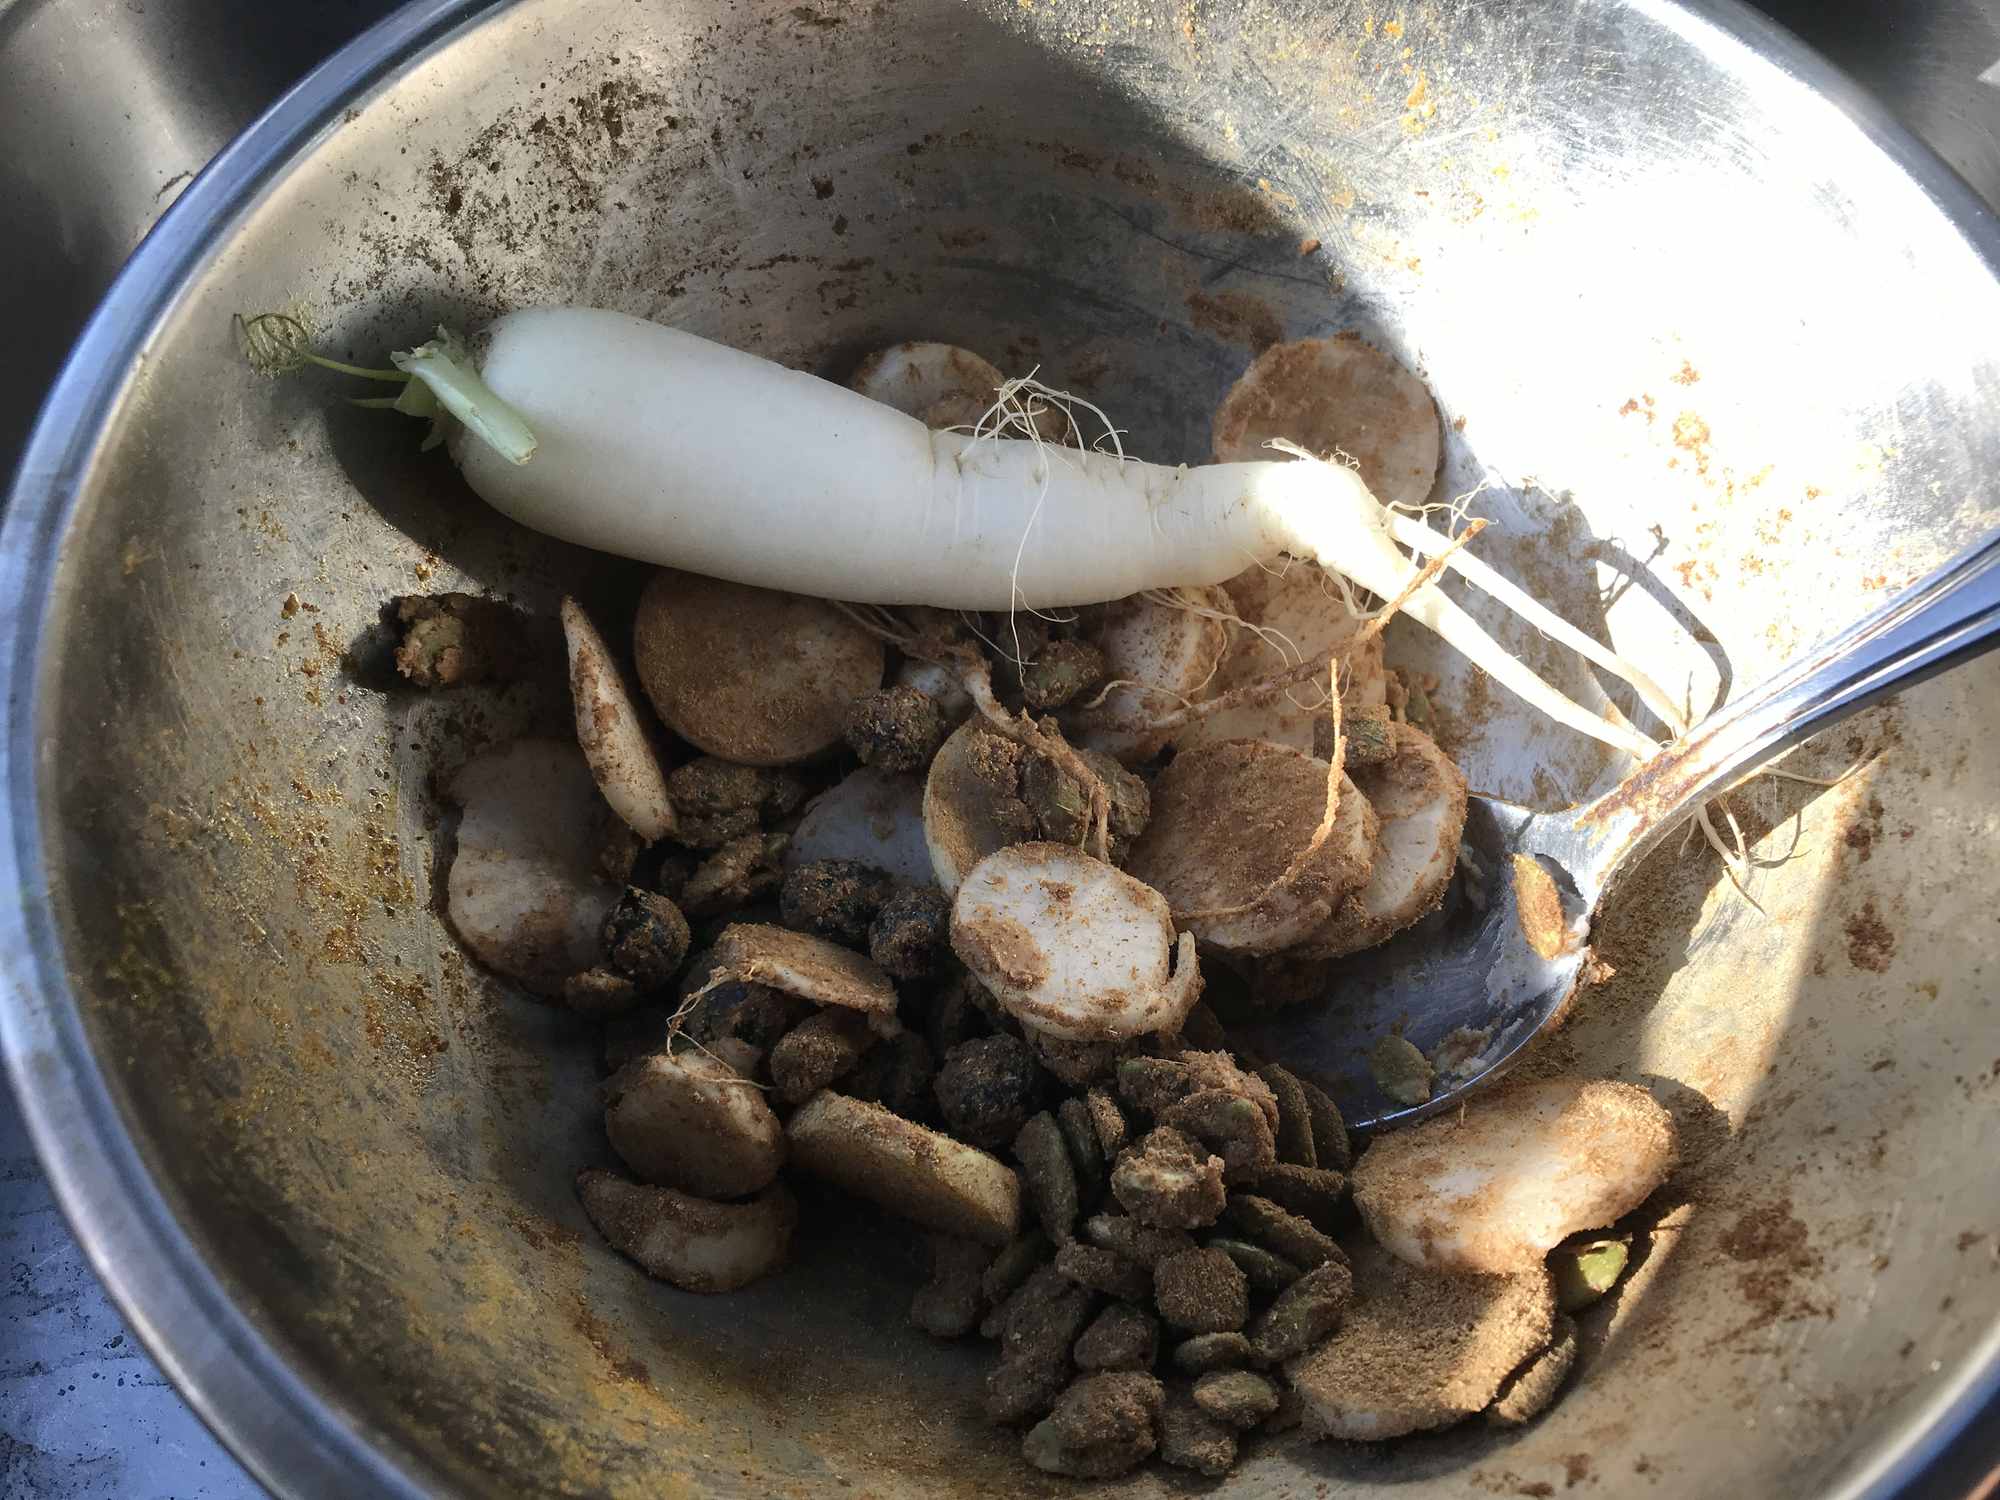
{"points": [[1473, 963]]}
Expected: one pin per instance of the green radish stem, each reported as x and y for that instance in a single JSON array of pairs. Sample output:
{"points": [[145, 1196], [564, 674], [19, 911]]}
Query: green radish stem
{"points": [[436, 377], [445, 365]]}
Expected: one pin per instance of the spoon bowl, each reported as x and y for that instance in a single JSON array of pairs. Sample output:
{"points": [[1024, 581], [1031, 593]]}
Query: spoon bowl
{"points": [[1509, 946]]}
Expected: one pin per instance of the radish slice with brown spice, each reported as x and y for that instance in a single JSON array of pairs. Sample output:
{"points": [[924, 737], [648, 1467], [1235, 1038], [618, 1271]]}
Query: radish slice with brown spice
{"points": [[1420, 798], [806, 966], [1235, 844], [612, 731], [1073, 946], [752, 675], [1288, 612], [971, 808], [919, 1173], [1496, 1189], [697, 1245], [691, 1121], [1417, 1349], [874, 816], [941, 385], [1336, 394], [1161, 651], [526, 891]]}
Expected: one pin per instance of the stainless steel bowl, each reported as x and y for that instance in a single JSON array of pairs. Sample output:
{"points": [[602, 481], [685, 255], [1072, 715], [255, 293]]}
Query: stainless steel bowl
{"points": [[1719, 336]]}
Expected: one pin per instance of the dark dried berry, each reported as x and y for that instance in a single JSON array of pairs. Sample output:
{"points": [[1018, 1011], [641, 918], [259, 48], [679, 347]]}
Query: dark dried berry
{"points": [[988, 1089], [911, 933], [835, 899], [645, 938]]}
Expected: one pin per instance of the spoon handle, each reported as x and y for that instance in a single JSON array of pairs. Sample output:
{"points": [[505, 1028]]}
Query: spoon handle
{"points": [[1937, 622]]}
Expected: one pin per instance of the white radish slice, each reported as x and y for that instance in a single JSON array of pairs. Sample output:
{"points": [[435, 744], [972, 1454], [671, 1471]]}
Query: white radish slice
{"points": [[612, 731], [1230, 844], [1072, 946], [1327, 394], [526, 892], [697, 1245], [941, 385], [1417, 1349], [874, 816], [1292, 611], [691, 1122], [1420, 798], [1164, 655], [806, 966], [968, 812], [756, 676], [1495, 1188], [919, 1174]]}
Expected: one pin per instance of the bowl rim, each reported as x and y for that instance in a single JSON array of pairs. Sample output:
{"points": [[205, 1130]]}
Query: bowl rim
{"points": [[297, 1438]]}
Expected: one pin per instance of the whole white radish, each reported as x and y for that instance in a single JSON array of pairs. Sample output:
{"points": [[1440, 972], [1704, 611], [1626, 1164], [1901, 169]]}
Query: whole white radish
{"points": [[652, 443]]}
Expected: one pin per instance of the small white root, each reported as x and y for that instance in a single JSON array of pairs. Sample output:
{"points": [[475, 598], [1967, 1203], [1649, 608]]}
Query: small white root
{"points": [[1336, 396], [809, 967], [1161, 652], [1420, 798], [1417, 1349], [1523, 1169], [1234, 844], [1073, 946], [919, 1174], [612, 731], [692, 1122], [697, 1245], [941, 385], [755, 676], [526, 892], [874, 816]]}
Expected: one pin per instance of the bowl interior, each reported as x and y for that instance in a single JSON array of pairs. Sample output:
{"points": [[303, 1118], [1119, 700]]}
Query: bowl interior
{"points": [[1712, 361]]}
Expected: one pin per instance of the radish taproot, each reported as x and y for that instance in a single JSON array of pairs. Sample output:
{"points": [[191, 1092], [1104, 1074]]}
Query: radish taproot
{"points": [[609, 431]]}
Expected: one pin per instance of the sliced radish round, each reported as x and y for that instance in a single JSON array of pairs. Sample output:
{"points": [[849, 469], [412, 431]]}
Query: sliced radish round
{"points": [[613, 732], [1419, 796], [1162, 655], [1230, 844], [688, 1121], [526, 891], [1291, 612], [971, 807], [1418, 1349], [921, 1174], [1328, 394], [797, 963], [1073, 946], [697, 1245], [941, 385], [754, 676], [876, 817], [1496, 1189]]}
